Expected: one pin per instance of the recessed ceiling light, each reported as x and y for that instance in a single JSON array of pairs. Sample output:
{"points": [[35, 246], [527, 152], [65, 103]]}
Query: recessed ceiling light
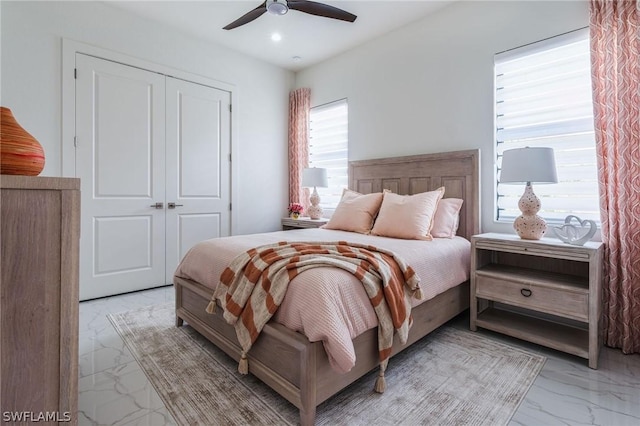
{"points": [[276, 37]]}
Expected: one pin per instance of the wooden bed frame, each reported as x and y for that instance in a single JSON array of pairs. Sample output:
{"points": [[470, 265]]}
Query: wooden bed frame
{"points": [[299, 370]]}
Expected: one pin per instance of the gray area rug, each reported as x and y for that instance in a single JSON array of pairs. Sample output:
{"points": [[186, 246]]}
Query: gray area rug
{"points": [[452, 377]]}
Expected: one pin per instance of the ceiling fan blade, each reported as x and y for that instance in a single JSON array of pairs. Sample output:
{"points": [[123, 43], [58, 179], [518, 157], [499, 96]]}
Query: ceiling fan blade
{"points": [[248, 17], [321, 9]]}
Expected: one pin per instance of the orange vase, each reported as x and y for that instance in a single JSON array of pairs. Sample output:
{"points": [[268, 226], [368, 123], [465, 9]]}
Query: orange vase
{"points": [[20, 153]]}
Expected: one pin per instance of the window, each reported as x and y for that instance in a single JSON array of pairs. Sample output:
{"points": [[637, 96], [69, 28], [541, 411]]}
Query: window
{"points": [[543, 99], [328, 148]]}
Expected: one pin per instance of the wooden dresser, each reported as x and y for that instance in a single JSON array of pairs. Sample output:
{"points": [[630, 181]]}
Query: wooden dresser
{"points": [[544, 291], [40, 230]]}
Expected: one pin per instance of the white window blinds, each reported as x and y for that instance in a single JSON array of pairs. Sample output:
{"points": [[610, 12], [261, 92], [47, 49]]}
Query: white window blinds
{"points": [[543, 99], [328, 148]]}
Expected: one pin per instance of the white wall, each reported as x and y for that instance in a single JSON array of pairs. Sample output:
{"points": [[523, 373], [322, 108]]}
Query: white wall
{"points": [[31, 68], [429, 86]]}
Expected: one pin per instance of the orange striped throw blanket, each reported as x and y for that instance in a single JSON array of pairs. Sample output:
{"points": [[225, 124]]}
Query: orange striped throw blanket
{"points": [[254, 284]]}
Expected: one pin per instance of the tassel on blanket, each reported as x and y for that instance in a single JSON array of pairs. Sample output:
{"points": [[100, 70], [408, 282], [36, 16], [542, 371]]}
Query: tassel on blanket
{"points": [[211, 307], [381, 384], [417, 294], [243, 366]]}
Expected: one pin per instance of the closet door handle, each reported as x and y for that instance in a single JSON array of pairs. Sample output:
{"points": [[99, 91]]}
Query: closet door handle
{"points": [[157, 205], [174, 205]]}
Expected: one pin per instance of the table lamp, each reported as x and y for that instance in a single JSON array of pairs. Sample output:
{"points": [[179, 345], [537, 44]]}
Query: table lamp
{"points": [[314, 177], [527, 165]]}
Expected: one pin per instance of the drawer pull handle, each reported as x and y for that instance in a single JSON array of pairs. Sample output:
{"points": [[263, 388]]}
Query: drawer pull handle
{"points": [[525, 292]]}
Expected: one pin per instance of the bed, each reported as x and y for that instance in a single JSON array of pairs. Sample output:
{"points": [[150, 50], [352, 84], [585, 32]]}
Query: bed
{"points": [[300, 370]]}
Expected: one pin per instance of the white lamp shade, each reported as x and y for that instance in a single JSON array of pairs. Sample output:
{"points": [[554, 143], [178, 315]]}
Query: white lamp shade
{"points": [[314, 176], [522, 165]]}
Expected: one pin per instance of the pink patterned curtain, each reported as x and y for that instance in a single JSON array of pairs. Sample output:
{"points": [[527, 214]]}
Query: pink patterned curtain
{"points": [[299, 107], [615, 62]]}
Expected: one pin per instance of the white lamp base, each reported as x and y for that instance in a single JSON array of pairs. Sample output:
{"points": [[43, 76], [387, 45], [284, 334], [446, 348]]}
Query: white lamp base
{"points": [[529, 226], [315, 211]]}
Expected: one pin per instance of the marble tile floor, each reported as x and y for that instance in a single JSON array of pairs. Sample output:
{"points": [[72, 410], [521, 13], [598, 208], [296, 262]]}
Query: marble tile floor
{"points": [[113, 390]]}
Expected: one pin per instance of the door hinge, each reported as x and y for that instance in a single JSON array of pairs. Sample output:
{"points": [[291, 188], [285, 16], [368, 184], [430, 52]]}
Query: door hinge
{"points": [[75, 73], [75, 141], [229, 206], [229, 157], [230, 108]]}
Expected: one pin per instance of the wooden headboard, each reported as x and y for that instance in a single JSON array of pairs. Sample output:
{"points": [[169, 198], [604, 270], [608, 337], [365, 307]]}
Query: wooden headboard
{"points": [[457, 171]]}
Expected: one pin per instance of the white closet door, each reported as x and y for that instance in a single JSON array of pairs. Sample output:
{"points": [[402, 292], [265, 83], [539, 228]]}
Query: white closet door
{"points": [[120, 158], [198, 166]]}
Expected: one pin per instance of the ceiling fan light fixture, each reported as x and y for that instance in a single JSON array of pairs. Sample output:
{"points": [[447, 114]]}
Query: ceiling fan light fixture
{"points": [[281, 7], [277, 8]]}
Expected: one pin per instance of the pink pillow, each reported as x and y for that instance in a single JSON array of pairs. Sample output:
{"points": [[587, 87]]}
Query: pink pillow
{"points": [[355, 212], [447, 218], [407, 216]]}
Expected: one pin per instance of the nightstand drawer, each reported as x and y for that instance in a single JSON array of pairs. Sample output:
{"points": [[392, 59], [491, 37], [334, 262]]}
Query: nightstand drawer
{"points": [[566, 303]]}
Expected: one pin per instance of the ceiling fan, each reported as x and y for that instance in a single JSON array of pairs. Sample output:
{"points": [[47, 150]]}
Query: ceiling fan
{"points": [[280, 7]]}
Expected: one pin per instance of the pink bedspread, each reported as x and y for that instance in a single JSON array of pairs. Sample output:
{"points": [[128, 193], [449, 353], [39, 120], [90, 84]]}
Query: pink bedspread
{"points": [[338, 310]]}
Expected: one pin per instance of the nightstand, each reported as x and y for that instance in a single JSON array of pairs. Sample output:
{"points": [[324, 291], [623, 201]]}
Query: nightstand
{"points": [[546, 292], [301, 223]]}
